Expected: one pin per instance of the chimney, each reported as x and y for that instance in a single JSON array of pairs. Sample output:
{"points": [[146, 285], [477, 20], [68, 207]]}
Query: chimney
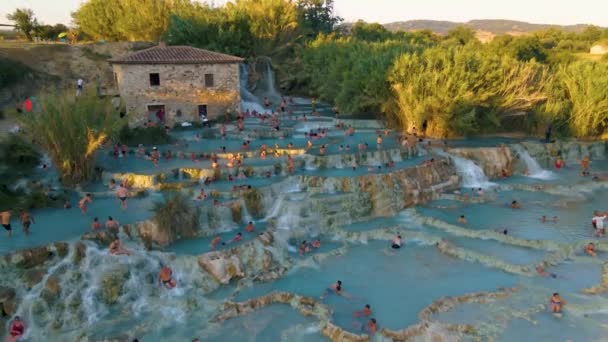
{"points": [[162, 44]]}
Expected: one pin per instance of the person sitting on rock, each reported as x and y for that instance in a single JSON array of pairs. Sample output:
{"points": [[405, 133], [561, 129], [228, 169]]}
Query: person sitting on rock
{"points": [[165, 277], [16, 330], [116, 248], [316, 243], [303, 248]]}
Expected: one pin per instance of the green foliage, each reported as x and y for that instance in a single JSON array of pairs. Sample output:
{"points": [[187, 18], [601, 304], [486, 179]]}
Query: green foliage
{"points": [[24, 20], [253, 201], [177, 215], [131, 20], [48, 32], [316, 16], [578, 98], [462, 90], [71, 130], [143, 135], [352, 73], [461, 35]]}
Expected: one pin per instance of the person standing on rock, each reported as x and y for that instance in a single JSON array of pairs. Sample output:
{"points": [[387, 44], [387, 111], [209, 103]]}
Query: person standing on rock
{"points": [[122, 194], [5, 216], [16, 330]]}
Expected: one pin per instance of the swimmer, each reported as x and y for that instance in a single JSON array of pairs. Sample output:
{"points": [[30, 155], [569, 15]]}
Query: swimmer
{"points": [[543, 219], [554, 219], [303, 248], [598, 224], [82, 204], [366, 312], [112, 184], [335, 288], [116, 248], [165, 277], [590, 249], [6, 221], [462, 219], [15, 330], [515, 205], [541, 271], [372, 326], [316, 243], [480, 192], [26, 221], [111, 224], [201, 195], [556, 303], [249, 227], [396, 242], [237, 238], [95, 225], [559, 163], [216, 240], [122, 194]]}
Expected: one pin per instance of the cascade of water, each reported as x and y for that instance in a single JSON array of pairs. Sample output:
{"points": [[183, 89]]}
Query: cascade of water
{"points": [[534, 169], [128, 282], [245, 212], [248, 100], [276, 208], [267, 84], [471, 175]]}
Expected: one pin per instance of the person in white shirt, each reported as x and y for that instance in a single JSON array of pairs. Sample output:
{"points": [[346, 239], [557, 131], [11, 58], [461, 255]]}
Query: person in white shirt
{"points": [[79, 85], [598, 224]]}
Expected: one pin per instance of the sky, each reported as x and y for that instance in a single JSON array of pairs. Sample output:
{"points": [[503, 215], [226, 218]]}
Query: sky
{"points": [[561, 12]]}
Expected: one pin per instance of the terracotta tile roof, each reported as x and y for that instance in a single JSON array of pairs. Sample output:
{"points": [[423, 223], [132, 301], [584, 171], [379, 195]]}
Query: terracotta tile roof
{"points": [[176, 55]]}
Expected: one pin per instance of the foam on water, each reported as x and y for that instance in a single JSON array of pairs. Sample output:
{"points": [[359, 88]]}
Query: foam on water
{"points": [[534, 169]]}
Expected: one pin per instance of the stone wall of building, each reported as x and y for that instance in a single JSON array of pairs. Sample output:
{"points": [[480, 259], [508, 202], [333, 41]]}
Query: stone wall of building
{"points": [[181, 90]]}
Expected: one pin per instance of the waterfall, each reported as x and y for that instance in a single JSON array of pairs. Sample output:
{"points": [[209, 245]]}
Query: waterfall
{"points": [[471, 175], [266, 84], [276, 208], [130, 281], [534, 169], [248, 100]]}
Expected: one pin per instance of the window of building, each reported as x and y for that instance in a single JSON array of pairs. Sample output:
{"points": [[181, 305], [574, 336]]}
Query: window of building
{"points": [[154, 79], [209, 80]]}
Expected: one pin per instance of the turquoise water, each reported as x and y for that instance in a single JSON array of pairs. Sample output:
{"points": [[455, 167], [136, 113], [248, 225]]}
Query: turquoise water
{"points": [[397, 284], [404, 282]]}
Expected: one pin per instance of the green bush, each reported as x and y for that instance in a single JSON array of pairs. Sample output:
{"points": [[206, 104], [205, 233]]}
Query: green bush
{"points": [[177, 215], [143, 135]]}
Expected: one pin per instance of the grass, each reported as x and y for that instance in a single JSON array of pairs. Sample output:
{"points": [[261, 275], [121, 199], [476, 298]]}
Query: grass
{"points": [[93, 55]]}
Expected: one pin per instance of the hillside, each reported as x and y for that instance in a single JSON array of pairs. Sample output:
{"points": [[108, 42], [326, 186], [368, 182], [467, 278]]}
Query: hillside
{"points": [[494, 27]]}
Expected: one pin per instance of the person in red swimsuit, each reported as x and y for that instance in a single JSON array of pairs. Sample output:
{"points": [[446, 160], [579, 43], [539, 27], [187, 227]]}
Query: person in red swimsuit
{"points": [[16, 330]]}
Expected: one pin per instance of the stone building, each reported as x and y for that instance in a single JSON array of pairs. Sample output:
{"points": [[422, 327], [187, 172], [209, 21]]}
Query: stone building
{"points": [[177, 83]]}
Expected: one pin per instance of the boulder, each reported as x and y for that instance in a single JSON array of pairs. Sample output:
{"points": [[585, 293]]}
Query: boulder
{"points": [[6, 293], [51, 290], [103, 238], [33, 277], [222, 267], [266, 238], [33, 257]]}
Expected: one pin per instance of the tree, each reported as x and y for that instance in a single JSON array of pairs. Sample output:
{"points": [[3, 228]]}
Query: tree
{"points": [[49, 32], [71, 130], [25, 22], [371, 32], [461, 35], [317, 16], [528, 48]]}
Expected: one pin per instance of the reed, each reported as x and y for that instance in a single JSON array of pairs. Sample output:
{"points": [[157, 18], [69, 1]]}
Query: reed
{"points": [[71, 129]]}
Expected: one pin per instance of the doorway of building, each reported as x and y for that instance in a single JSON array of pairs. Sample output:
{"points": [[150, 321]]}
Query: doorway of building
{"points": [[202, 115], [156, 113]]}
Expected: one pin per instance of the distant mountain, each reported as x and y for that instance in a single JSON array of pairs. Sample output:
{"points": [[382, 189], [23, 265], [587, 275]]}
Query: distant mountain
{"points": [[494, 27]]}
